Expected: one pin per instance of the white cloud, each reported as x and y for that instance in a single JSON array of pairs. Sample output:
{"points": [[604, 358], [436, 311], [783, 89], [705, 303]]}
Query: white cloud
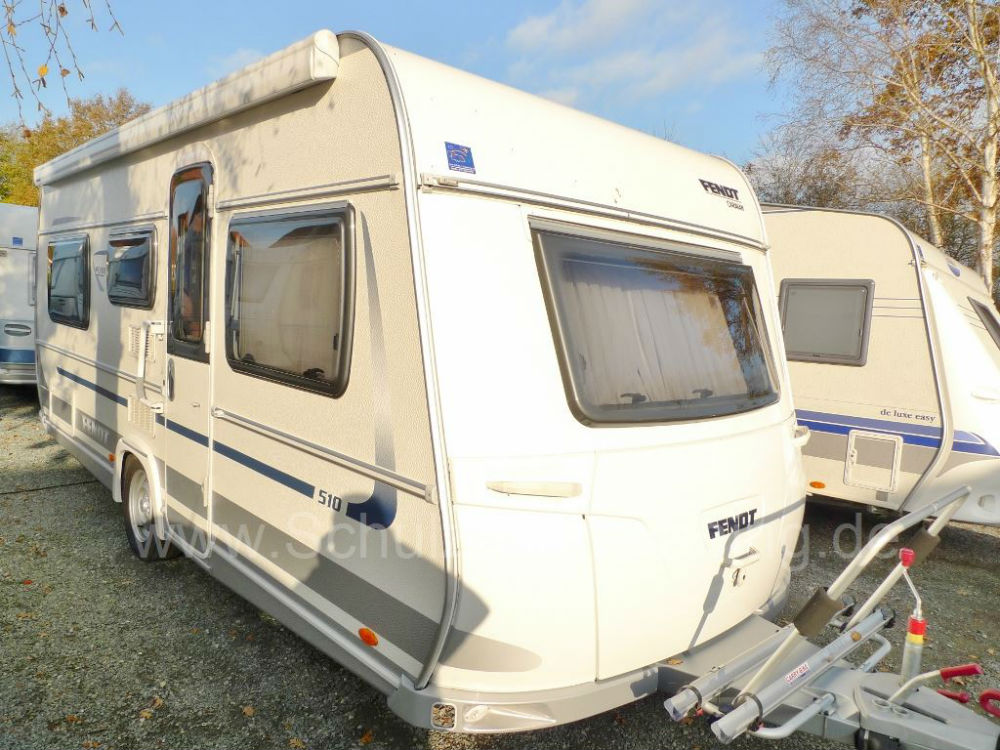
{"points": [[574, 26], [221, 66], [628, 50]]}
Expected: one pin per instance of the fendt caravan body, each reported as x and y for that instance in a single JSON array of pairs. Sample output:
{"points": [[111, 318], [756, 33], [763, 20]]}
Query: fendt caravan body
{"points": [[18, 231], [894, 353], [483, 396]]}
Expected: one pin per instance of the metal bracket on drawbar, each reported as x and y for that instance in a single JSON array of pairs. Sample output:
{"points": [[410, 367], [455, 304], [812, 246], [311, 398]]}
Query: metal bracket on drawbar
{"points": [[817, 612]]}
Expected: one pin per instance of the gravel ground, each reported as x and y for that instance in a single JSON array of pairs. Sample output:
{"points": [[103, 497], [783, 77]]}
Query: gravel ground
{"points": [[100, 650]]}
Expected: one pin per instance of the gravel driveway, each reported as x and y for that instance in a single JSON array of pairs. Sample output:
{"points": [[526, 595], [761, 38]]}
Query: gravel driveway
{"points": [[100, 650]]}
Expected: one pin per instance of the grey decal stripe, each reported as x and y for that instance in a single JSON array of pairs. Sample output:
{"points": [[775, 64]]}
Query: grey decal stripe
{"points": [[96, 431], [405, 627], [379, 510], [915, 458], [62, 409], [186, 491]]}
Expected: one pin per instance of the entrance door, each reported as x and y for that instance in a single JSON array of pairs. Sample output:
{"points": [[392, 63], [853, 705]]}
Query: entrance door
{"points": [[187, 375]]}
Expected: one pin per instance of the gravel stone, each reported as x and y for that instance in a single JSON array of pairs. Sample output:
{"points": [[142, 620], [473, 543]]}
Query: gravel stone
{"points": [[100, 650]]}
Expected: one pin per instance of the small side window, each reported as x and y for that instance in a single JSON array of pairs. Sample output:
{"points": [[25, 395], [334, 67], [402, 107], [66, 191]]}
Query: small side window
{"points": [[827, 320], [131, 270], [289, 298], [69, 281]]}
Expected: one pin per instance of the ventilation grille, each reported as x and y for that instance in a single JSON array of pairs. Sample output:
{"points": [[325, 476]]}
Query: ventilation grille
{"points": [[134, 341], [140, 415]]}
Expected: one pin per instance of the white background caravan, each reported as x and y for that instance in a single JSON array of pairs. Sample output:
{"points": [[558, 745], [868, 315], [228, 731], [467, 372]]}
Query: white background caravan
{"points": [[391, 350], [894, 353], [18, 231]]}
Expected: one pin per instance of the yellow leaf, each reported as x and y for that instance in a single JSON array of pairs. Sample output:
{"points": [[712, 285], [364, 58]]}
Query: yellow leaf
{"points": [[249, 711], [43, 70], [296, 743], [64, 72], [62, 10], [11, 28], [367, 737], [157, 702], [145, 714]]}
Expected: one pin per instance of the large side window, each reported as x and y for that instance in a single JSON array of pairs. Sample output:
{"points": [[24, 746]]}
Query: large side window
{"points": [[653, 335], [69, 281], [827, 320], [131, 270], [189, 256], [289, 297]]}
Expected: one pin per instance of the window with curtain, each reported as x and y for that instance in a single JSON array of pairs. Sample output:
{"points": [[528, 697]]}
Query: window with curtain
{"points": [[650, 334]]}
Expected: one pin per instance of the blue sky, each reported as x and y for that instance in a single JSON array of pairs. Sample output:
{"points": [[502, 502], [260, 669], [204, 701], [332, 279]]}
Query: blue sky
{"points": [[689, 71]]}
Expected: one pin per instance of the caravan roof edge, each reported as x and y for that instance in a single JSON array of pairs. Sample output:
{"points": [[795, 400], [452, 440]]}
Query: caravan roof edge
{"points": [[309, 61]]}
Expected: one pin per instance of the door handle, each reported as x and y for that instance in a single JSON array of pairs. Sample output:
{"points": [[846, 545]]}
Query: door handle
{"points": [[170, 379], [801, 435], [747, 559]]}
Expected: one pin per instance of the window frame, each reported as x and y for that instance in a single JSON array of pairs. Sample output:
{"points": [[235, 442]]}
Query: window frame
{"points": [[983, 312], [830, 359], [84, 323], [346, 213], [599, 418], [197, 351], [149, 271]]}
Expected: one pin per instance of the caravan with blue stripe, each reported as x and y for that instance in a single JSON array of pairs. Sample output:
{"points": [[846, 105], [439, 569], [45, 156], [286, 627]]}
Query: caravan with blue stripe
{"points": [[893, 349]]}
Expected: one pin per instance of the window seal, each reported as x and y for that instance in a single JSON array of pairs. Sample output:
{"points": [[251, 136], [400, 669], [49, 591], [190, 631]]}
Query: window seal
{"points": [[830, 359]]}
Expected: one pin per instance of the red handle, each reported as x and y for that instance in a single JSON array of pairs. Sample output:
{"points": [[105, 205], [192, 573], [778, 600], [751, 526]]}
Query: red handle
{"points": [[986, 700], [962, 697], [962, 670], [907, 556]]}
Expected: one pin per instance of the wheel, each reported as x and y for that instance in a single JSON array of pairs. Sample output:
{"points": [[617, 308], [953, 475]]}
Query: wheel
{"points": [[140, 528]]}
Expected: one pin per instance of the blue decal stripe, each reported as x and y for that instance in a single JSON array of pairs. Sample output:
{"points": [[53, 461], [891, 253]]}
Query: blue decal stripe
{"points": [[111, 395], [378, 511], [187, 432], [260, 467], [841, 424], [18, 356], [869, 424]]}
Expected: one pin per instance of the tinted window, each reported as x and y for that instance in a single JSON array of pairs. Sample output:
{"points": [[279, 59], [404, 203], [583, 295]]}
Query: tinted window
{"points": [[654, 335], [130, 271], [189, 257], [287, 297], [69, 282], [826, 320], [988, 316]]}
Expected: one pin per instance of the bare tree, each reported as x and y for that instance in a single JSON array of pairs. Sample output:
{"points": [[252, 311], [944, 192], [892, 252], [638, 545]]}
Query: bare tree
{"points": [[915, 81], [37, 45]]}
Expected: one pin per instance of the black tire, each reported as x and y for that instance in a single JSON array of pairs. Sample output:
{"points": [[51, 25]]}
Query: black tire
{"points": [[139, 526]]}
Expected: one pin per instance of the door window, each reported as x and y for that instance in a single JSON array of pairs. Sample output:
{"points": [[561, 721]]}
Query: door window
{"points": [[189, 260]]}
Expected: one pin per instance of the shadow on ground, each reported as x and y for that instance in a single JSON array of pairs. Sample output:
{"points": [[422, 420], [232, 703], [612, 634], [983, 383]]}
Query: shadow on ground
{"points": [[101, 650]]}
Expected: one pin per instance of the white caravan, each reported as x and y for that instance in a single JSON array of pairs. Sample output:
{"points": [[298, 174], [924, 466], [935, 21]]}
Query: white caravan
{"points": [[18, 231], [483, 396], [894, 354]]}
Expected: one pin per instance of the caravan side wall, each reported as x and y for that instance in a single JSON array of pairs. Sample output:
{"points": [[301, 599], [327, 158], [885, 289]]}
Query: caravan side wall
{"points": [[875, 426], [18, 228], [291, 472]]}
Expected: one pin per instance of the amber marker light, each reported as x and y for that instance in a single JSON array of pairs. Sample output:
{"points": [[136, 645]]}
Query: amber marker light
{"points": [[111, 457], [367, 636], [817, 485]]}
